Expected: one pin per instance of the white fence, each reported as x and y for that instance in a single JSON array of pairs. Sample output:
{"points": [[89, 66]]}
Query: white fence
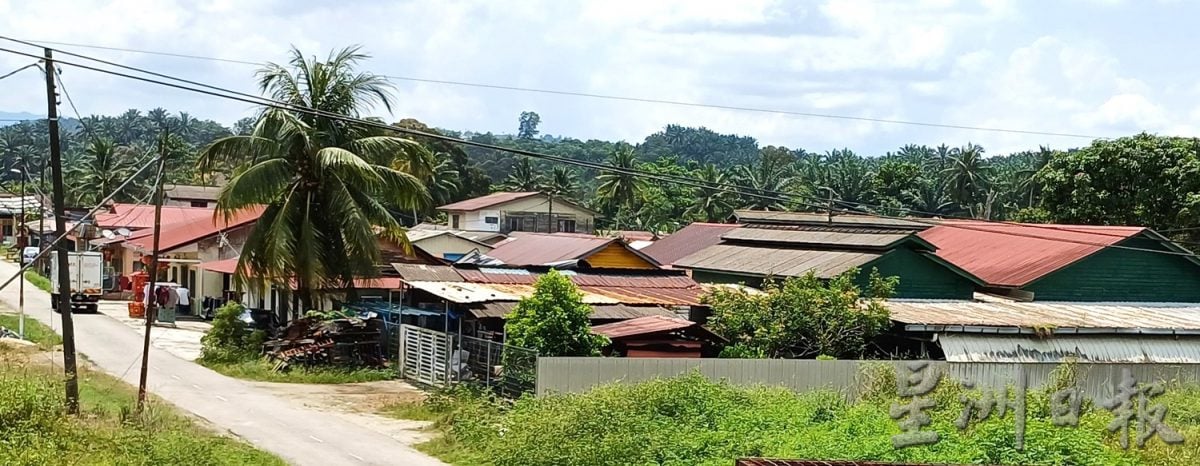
{"points": [[572, 375]]}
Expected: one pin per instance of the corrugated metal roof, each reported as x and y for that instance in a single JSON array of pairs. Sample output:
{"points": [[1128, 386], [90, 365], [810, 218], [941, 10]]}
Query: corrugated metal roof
{"points": [[875, 239], [642, 279], [775, 261], [636, 295], [1014, 255], [599, 311], [1060, 348], [137, 216], [545, 248], [12, 205], [463, 292], [222, 266], [687, 241], [184, 233], [483, 202], [468, 293], [427, 273], [191, 192], [1062, 317], [642, 326], [812, 218]]}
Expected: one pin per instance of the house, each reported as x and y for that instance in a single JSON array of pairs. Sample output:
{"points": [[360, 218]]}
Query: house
{"points": [[789, 244], [487, 294], [486, 237], [1076, 263], [1004, 330], [687, 241], [191, 196], [141, 216], [544, 249], [10, 214], [445, 244], [504, 212], [659, 337]]}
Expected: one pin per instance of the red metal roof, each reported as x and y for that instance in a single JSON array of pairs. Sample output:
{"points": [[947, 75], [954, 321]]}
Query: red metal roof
{"points": [[135, 216], [642, 326], [184, 233], [546, 248], [1014, 255], [489, 200], [222, 266], [687, 241]]}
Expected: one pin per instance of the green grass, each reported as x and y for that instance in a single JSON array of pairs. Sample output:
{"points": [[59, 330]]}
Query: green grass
{"points": [[414, 411], [35, 331], [262, 370], [691, 421], [37, 280], [34, 429]]}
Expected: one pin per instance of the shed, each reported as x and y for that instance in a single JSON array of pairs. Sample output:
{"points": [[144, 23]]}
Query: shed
{"points": [[1070, 262], [777, 248], [659, 337]]}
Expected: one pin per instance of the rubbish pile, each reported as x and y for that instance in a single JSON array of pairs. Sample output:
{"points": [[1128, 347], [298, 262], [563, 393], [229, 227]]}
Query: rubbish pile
{"points": [[6, 333], [339, 342]]}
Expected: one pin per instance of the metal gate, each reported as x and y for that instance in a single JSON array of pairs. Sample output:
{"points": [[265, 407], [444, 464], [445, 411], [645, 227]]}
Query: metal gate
{"points": [[424, 355]]}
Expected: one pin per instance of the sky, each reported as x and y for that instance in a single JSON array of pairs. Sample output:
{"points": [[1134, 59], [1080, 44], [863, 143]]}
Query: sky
{"points": [[1099, 68]]}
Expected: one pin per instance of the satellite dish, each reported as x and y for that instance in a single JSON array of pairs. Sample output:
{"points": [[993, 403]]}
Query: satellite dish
{"points": [[107, 234], [123, 231]]}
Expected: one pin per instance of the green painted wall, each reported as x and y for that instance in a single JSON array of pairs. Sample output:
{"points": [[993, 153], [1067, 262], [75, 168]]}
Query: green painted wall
{"points": [[920, 277], [1123, 275]]}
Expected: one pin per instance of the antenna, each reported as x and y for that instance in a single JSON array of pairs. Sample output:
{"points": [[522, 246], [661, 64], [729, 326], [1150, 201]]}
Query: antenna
{"points": [[123, 231], [107, 234]]}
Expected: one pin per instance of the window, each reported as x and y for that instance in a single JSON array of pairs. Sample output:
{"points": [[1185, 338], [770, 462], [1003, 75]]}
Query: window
{"points": [[491, 220], [8, 230], [514, 224], [454, 222], [566, 226], [199, 203]]}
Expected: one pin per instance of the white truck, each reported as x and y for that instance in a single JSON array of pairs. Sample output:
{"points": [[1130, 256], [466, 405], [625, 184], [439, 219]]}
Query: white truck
{"points": [[87, 279]]}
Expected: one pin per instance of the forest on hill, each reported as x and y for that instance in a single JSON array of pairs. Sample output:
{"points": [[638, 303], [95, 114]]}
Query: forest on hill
{"points": [[1137, 180]]}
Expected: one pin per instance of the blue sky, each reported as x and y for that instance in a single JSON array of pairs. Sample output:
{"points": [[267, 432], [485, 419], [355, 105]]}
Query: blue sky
{"points": [[1093, 67]]}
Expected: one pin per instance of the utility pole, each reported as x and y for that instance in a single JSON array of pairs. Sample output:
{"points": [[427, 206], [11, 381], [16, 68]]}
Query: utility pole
{"points": [[21, 244], [152, 306], [60, 247]]}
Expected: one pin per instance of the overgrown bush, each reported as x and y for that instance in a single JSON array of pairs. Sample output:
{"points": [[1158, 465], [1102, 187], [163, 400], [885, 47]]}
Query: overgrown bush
{"points": [[230, 340], [690, 420]]}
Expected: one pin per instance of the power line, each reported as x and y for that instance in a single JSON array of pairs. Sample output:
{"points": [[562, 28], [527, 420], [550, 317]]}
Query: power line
{"points": [[18, 70], [649, 100], [258, 100]]}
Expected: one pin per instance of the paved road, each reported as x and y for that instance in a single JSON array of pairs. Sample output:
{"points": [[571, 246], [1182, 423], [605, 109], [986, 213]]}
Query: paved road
{"points": [[299, 435]]}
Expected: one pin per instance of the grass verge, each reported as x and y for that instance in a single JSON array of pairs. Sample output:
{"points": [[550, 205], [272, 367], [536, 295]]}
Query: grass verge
{"points": [[262, 370], [37, 280], [692, 421], [34, 430], [35, 331]]}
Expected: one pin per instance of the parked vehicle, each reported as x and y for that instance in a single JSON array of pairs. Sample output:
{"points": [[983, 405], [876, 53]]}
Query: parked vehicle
{"points": [[28, 254], [86, 270]]}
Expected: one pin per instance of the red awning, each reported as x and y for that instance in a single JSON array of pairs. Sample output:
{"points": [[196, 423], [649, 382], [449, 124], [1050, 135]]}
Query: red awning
{"points": [[222, 266]]}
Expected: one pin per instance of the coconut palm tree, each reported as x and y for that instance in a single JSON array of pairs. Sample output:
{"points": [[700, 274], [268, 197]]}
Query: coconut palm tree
{"points": [[523, 177], [930, 199], [714, 202], [103, 166], [325, 200], [967, 177], [563, 183], [618, 190]]}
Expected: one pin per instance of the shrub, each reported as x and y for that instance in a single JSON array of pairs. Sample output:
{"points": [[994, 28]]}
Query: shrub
{"points": [[230, 340]]}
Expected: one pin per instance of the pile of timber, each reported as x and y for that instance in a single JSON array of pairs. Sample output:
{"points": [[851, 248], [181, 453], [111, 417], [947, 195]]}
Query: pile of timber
{"points": [[340, 342]]}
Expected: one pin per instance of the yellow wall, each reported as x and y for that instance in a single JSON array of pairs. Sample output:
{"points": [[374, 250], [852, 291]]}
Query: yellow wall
{"points": [[616, 256]]}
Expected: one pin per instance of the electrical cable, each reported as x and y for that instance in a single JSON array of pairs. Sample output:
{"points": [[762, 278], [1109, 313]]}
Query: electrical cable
{"points": [[258, 100], [609, 96], [18, 70]]}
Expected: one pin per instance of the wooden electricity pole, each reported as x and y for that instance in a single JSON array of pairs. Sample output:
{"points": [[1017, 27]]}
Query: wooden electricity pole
{"points": [[60, 247], [152, 298]]}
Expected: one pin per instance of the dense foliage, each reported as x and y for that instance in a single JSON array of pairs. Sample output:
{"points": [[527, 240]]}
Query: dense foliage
{"points": [[801, 316], [553, 321], [230, 339], [692, 421]]}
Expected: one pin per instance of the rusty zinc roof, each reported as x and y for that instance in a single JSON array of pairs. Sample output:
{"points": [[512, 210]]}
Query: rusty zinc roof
{"points": [[812, 218], [638, 278], [427, 273], [822, 237], [1015, 255], [763, 261], [493, 199], [547, 248], [599, 311], [642, 326], [687, 241], [1058, 317]]}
